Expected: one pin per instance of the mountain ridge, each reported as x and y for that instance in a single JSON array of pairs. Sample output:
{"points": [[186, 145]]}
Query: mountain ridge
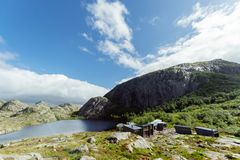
{"points": [[156, 88]]}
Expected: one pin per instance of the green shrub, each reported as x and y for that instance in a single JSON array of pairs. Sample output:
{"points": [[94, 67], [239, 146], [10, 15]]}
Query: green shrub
{"points": [[237, 134]]}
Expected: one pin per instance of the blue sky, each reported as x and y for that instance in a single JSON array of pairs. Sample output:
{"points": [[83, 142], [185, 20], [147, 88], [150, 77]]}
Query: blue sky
{"points": [[102, 42]]}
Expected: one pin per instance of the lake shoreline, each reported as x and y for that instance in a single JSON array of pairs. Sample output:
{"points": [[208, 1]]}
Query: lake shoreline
{"points": [[58, 128]]}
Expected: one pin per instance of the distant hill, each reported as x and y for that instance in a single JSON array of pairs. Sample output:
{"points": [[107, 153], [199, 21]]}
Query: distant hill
{"points": [[15, 115], [206, 80]]}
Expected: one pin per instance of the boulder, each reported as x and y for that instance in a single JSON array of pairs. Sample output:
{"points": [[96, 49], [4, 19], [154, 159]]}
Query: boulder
{"points": [[118, 136], [87, 158], [91, 140], [177, 157], [141, 143], [129, 148], [93, 147], [82, 149]]}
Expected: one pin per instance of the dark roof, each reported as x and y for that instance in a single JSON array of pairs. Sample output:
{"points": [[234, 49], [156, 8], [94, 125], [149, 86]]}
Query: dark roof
{"points": [[181, 126], [207, 129]]}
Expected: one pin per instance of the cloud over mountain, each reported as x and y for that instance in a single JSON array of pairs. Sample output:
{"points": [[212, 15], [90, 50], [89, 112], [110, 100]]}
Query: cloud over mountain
{"points": [[29, 86], [215, 34]]}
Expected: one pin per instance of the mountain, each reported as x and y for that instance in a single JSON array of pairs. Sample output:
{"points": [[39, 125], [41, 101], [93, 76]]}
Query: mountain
{"points": [[155, 89], [15, 115], [13, 105]]}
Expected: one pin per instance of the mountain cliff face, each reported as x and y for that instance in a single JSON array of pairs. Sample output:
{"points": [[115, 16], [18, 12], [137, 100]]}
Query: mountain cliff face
{"points": [[156, 88]]}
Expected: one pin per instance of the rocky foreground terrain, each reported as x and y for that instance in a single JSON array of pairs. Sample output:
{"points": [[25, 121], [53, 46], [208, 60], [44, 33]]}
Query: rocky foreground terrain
{"points": [[15, 115], [96, 145]]}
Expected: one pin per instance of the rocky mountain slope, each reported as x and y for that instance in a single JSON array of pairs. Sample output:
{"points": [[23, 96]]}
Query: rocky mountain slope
{"points": [[15, 115], [159, 87]]}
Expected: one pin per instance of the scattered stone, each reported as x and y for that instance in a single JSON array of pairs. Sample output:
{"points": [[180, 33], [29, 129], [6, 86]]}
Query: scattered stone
{"points": [[91, 140], [229, 142], [87, 158], [177, 157], [121, 135], [36, 156], [59, 140], [201, 145], [141, 143], [117, 136], [129, 148], [112, 139], [158, 159], [215, 155], [82, 149], [93, 147], [31, 156]]}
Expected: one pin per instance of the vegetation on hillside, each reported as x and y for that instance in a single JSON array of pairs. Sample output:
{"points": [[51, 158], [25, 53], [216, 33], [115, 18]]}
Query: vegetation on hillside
{"points": [[216, 104]]}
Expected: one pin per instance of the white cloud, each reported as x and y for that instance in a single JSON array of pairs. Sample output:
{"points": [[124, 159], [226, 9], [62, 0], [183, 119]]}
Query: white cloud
{"points": [[6, 56], [108, 18], [87, 37], [29, 86], [2, 41], [198, 12], [116, 52], [154, 21], [215, 34], [84, 49]]}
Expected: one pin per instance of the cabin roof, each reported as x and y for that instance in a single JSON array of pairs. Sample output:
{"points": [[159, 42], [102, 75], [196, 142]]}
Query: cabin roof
{"points": [[132, 127], [207, 129], [156, 122]]}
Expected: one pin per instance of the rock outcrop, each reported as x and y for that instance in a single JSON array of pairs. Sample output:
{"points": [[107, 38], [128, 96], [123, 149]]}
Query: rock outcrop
{"points": [[13, 106], [95, 108], [153, 89]]}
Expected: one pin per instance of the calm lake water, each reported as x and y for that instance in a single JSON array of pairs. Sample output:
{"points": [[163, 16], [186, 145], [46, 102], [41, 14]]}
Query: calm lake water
{"points": [[59, 127]]}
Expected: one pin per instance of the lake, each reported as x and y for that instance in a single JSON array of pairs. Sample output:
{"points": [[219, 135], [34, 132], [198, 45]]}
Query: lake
{"points": [[58, 127]]}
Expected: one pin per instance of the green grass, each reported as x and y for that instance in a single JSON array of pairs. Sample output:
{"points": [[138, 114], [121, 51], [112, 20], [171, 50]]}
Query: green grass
{"points": [[108, 151]]}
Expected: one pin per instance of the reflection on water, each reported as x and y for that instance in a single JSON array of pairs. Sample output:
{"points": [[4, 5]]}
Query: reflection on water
{"points": [[59, 127]]}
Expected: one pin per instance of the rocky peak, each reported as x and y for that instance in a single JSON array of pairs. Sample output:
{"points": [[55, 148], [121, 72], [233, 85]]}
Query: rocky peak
{"points": [[94, 108], [41, 103], [217, 65]]}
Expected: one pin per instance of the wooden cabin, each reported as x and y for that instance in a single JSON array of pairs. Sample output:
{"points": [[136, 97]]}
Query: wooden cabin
{"points": [[158, 124], [182, 129], [207, 132], [161, 126], [147, 130]]}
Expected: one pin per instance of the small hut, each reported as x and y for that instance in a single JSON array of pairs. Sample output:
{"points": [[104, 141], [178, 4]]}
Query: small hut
{"points": [[147, 130], [207, 132], [182, 129], [158, 124]]}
